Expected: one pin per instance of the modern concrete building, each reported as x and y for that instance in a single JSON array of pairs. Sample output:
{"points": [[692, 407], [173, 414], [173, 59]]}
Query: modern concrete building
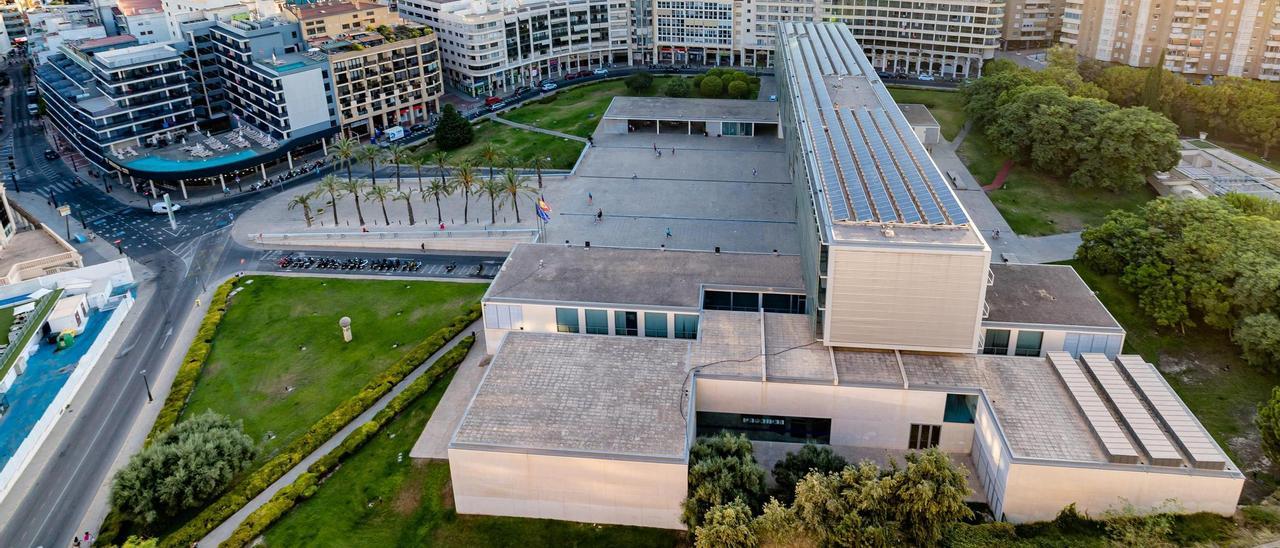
{"points": [[1198, 37], [1206, 169], [890, 332], [332, 18], [711, 117], [143, 19], [28, 248], [1032, 23]]}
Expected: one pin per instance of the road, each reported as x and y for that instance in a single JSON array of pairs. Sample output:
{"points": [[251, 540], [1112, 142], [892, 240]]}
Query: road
{"points": [[184, 262]]}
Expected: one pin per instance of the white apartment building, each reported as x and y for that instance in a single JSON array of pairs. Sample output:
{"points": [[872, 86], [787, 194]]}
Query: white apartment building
{"points": [[1198, 37], [144, 19], [496, 46]]}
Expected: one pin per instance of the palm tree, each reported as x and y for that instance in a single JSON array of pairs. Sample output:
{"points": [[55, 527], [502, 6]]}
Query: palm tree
{"points": [[303, 200], [354, 188], [408, 202], [538, 163], [417, 162], [344, 151], [490, 156], [380, 193], [396, 151], [441, 160], [373, 155], [493, 189], [333, 187], [464, 177], [514, 185], [437, 190]]}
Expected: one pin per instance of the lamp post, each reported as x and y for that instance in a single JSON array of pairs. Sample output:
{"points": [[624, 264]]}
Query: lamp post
{"points": [[147, 384]]}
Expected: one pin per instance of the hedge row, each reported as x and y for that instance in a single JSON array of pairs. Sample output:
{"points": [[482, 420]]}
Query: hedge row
{"points": [[193, 362], [306, 484], [324, 429]]}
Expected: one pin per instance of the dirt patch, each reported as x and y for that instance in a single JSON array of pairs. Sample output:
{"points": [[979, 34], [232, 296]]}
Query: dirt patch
{"points": [[409, 497], [446, 495], [282, 385]]}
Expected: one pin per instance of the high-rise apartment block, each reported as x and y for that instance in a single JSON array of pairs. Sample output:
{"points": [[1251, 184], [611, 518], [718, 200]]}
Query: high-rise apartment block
{"points": [[1198, 37], [1032, 23]]}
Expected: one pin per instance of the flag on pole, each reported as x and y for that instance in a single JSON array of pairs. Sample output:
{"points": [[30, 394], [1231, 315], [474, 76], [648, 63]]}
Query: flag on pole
{"points": [[544, 210]]}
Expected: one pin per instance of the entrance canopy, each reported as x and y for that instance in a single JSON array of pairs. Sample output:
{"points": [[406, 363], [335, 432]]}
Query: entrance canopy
{"points": [[714, 117]]}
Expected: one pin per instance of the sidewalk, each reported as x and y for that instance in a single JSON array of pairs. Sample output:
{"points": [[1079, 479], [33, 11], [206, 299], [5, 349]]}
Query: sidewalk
{"points": [[223, 531], [433, 443]]}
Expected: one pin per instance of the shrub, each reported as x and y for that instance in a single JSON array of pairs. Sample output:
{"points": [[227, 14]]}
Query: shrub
{"points": [[1200, 528], [306, 484], [997, 533], [454, 130], [726, 526], [1268, 422], [321, 431], [187, 465], [192, 363], [721, 469], [1127, 527], [1259, 340], [639, 82], [677, 87], [739, 90], [1261, 516], [711, 86], [795, 466]]}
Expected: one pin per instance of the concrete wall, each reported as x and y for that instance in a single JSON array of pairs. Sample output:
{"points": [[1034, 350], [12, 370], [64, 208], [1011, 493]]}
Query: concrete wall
{"points": [[860, 417], [905, 299], [591, 490], [1037, 492], [613, 126], [307, 104]]}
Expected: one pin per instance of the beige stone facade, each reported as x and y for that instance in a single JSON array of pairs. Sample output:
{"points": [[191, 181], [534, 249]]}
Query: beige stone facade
{"points": [[1032, 23], [332, 19], [384, 81]]}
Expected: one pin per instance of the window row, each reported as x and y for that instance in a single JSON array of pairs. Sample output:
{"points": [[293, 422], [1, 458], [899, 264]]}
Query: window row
{"points": [[626, 323]]}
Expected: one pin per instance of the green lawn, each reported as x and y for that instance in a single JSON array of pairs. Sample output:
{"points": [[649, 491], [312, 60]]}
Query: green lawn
{"points": [[278, 362], [946, 106], [577, 110], [515, 143], [381, 497], [1035, 204], [1206, 370], [6, 320]]}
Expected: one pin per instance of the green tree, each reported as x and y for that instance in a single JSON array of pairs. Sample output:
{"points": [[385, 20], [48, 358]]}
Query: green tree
{"points": [[437, 189], [795, 466], [1259, 339], [491, 156], [373, 155], [726, 526], [346, 150], [1152, 87], [182, 469], [1261, 126], [538, 163], [1268, 423], [1125, 147], [355, 188], [303, 200], [408, 202], [677, 87], [639, 82], [464, 177], [441, 161], [380, 193], [493, 189], [777, 527], [721, 469], [930, 496], [515, 186], [417, 162], [985, 95], [333, 187], [396, 152], [1090, 69], [711, 86], [137, 542], [1062, 58], [739, 90], [454, 131], [997, 66], [1123, 84]]}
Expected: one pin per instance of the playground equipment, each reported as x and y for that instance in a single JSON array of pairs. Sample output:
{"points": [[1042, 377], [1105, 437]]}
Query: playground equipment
{"points": [[66, 339]]}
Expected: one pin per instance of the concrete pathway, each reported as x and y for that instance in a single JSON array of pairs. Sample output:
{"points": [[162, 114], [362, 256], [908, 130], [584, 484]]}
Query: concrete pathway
{"points": [[223, 531], [434, 441], [527, 127]]}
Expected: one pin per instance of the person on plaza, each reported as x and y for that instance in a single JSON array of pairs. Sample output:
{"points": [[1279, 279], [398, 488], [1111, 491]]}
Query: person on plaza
{"points": [[599, 216], [589, 198], [75, 542], [754, 172], [673, 151], [655, 146], [668, 233]]}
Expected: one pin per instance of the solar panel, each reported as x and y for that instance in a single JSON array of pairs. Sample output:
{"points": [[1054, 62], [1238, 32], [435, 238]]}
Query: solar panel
{"points": [[1175, 417], [846, 46], [1132, 412], [819, 53], [829, 178], [897, 189], [1104, 426], [857, 190], [870, 175], [833, 53], [915, 183], [942, 191]]}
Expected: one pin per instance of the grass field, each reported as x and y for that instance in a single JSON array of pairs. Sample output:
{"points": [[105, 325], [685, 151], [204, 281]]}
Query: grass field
{"points": [[278, 362], [1205, 368], [6, 320], [577, 110], [515, 143], [946, 106], [381, 497], [1035, 204]]}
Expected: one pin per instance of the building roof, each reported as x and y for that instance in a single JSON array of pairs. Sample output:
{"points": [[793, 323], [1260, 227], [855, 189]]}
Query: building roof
{"points": [[568, 393], [136, 7], [1044, 295], [918, 115], [94, 43], [698, 110], [867, 165], [319, 10], [649, 277]]}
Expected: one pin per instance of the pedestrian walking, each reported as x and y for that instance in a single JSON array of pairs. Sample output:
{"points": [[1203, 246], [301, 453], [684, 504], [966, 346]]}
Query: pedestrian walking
{"points": [[673, 151], [197, 302], [423, 246], [754, 172], [634, 176], [668, 233], [655, 146], [599, 216], [589, 198], [659, 153], [75, 542]]}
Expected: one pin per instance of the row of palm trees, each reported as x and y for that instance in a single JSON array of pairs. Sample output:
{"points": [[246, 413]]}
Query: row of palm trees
{"points": [[510, 186]]}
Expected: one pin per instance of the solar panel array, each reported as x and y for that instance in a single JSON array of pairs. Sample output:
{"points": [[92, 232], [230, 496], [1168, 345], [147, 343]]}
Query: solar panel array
{"points": [[1132, 412], [870, 164], [1187, 432], [1104, 426]]}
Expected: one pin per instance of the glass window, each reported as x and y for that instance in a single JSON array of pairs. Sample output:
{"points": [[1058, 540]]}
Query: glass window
{"points": [[501, 316], [924, 436], [655, 324], [625, 323], [995, 341], [1028, 343], [746, 302], [960, 408], [567, 320], [686, 326], [717, 300], [765, 427], [784, 304], [597, 322]]}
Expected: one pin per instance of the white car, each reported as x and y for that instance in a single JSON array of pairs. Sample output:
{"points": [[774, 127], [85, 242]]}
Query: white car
{"points": [[925, 77], [549, 86], [600, 71], [161, 208]]}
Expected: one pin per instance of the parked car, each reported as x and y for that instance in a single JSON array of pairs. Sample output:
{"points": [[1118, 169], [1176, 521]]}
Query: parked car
{"points": [[521, 90], [924, 77], [884, 74], [31, 91], [492, 99], [162, 208], [50, 154], [548, 86], [418, 127], [901, 75], [571, 76], [584, 73], [600, 72], [497, 106]]}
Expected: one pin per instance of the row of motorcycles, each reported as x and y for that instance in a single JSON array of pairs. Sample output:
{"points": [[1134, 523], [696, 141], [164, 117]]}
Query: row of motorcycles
{"points": [[354, 263]]}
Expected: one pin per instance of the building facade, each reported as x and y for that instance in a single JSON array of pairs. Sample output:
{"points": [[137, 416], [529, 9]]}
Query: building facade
{"points": [[144, 19], [1197, 37], [1032, 23]]}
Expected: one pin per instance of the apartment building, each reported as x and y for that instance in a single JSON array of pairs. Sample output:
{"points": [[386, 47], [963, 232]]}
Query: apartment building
{"points": [[890, 332], [143, 19], [1198, 37], [491, 47], [195, 43], [331, 18], [112, 93], [1032, 23]]}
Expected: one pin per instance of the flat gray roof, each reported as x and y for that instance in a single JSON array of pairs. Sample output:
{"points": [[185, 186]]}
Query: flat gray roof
{"points": [[637, 277], [572, 393], [696, 110], [1046, 295], [918, 115], [865, 162]]}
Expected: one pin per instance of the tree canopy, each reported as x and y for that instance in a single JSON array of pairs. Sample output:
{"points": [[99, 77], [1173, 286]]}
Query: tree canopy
{"points": [[639, 82], [722, 469], [795, 466], [454, 131]]}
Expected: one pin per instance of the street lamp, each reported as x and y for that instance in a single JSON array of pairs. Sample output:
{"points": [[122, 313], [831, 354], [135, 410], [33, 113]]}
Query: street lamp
{"points": [[143, 374]]}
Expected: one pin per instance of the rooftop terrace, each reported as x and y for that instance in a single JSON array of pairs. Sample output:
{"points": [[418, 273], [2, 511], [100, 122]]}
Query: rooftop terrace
{"points": [[1045, 295]]}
